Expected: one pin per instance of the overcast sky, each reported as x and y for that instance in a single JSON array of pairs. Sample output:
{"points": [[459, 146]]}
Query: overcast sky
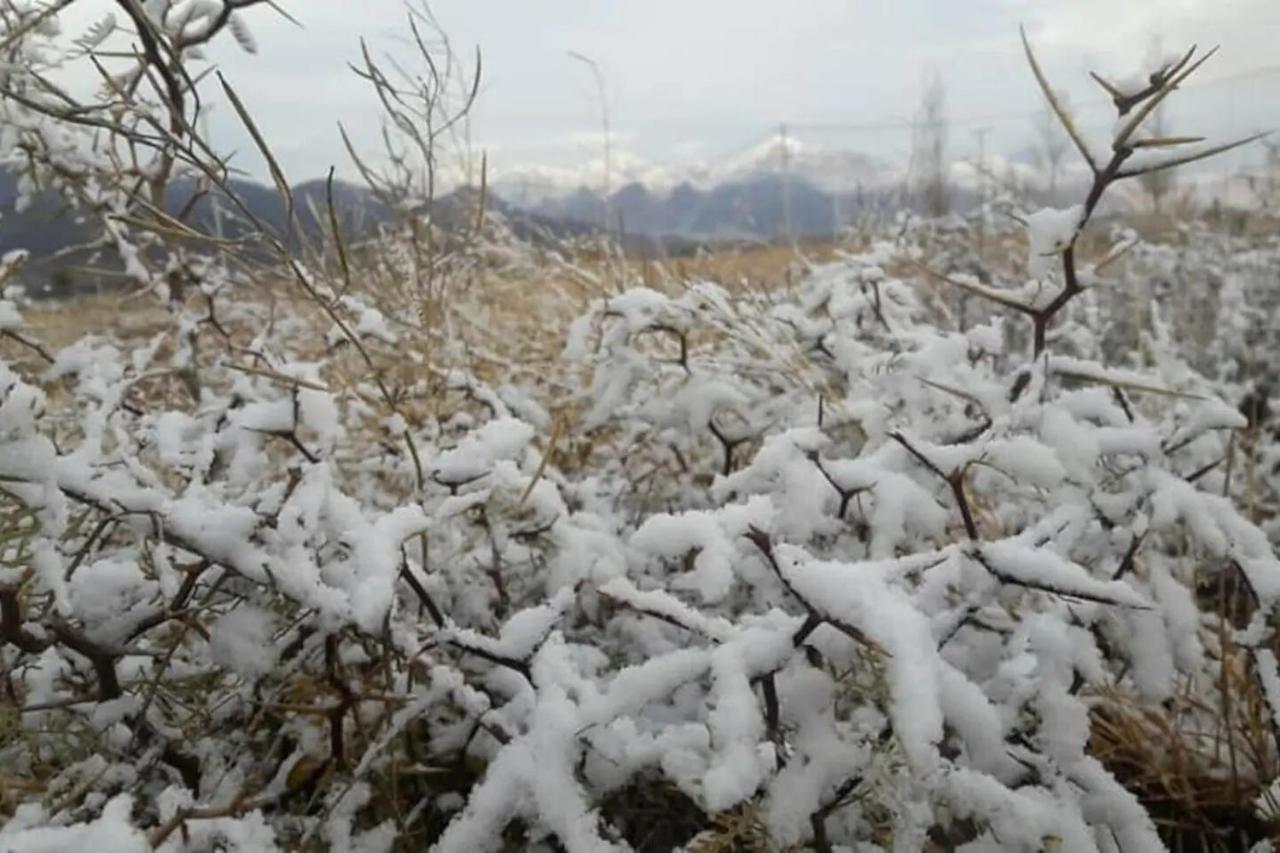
{"points": [[694, 79]]}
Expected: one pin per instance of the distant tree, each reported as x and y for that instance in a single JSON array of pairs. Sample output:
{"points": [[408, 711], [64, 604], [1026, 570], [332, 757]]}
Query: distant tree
{"points": [[1159, 184], [1051, 144], [929, 149], [1266, 186]]}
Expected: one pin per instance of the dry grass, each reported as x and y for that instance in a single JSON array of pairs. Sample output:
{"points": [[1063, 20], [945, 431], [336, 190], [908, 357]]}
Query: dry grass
{"points": [[1200, 760], [62, 323], [753, 267], [532, 306]]}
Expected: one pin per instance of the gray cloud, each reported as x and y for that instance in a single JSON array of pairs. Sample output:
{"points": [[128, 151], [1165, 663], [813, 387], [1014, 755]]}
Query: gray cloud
{"points": [[716, 76]]}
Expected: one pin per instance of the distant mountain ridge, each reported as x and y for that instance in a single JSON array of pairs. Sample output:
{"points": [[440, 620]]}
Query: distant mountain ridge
{"points": [[47, 227], [777, 189], [832, 170], [760, 207], [746, 199]]}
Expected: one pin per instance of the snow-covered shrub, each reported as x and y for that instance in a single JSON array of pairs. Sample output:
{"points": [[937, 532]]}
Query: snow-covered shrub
{"points": [[827, 566]]}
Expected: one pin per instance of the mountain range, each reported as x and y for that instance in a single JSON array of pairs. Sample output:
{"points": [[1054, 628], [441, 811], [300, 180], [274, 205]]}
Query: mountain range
{"points": [[829, 169], [55, 234], [778, 189], [744, 198]]}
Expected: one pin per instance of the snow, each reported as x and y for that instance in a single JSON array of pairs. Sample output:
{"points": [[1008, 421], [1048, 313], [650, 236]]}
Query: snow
{"points": [[531, 184], [1049, 232], [659, 602], [593, 631], [1140, 79], [1042, 568], [823, 567], [10, 317], [108, 597], [110, 832], [371, 323], [504, 438], [739, 762], [692, 532], [241, 640], [888, 618]]}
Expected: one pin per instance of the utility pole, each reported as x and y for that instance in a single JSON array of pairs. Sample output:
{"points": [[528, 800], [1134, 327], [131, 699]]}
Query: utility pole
{"points": [[981, 134], [598, 76], [214, 206], [785, 158]]}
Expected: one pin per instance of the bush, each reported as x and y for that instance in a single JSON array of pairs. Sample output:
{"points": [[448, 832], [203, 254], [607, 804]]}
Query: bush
{"points": [[323, 565]]}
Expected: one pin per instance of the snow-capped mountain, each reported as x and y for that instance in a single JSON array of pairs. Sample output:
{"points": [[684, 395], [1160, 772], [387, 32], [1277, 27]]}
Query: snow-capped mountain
{"points": [[751, 194], [832, 170], [828, 169], [529, 185]]}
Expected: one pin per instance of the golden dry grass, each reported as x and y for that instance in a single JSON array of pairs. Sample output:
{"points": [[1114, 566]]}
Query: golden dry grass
{"points": [[57, 324], [1200, 760]]}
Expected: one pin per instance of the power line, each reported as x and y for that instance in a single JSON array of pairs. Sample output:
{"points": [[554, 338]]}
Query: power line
{"points": [[1019, 115], [786, 181], [787, 130]]}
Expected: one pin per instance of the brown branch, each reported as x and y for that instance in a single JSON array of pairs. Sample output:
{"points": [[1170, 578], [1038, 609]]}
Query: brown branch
{"points": [[814, 616], [846, 495], [11, 630], [1052, 589], [34, 346], [102, 658], [1127, 563], [727, 445], [955, 480]]}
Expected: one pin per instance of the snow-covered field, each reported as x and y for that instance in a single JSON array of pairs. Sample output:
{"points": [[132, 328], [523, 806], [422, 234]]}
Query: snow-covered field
{"points": [[963, 540]]}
